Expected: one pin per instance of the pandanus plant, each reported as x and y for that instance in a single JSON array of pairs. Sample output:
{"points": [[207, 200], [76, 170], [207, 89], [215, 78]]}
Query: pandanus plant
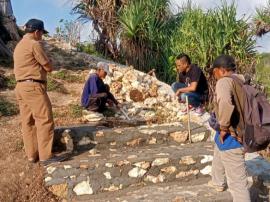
{"points": [[146, 30], [262, 20], [206, 34]]}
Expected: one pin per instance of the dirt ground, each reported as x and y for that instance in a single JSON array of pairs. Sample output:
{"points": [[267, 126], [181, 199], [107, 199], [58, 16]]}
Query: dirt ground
{"points": [[19, 180]]}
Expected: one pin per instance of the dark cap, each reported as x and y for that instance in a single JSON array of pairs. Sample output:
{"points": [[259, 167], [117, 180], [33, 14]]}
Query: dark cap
{"points": [[224, 61], [35, 24]]}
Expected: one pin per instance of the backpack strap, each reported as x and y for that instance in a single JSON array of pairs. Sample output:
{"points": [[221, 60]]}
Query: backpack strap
{"points": [[237, 80], [238, 102]]}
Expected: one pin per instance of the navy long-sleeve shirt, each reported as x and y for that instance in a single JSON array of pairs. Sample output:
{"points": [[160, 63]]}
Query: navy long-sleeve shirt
{"points": [[94, 86]]}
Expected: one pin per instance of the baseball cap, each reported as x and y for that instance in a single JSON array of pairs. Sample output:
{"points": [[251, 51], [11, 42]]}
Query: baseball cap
{"points": [[104, 66], [224, 61], [35, 24]]}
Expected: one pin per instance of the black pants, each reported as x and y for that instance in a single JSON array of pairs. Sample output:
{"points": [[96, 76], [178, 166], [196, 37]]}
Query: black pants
{"points": [[98, 104]]}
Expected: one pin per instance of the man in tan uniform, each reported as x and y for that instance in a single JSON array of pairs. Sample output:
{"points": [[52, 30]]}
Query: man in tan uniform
{"points": [[31, 65]]}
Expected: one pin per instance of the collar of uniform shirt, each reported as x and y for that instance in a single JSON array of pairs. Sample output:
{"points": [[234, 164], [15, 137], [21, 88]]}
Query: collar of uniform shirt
{"points": [[28, 36]]}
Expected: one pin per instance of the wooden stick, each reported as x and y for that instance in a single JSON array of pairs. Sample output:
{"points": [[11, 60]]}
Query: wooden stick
{"points": [[188, 114]]}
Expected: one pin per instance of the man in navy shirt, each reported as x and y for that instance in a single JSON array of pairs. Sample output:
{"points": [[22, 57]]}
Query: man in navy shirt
{"points": [[96, 94]]}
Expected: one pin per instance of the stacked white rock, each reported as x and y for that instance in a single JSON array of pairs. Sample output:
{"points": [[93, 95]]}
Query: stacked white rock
{"points": [[150, 98]]}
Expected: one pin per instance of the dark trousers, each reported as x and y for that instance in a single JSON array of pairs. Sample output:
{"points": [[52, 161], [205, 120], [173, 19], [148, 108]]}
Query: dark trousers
{"points": [[98, 104]]}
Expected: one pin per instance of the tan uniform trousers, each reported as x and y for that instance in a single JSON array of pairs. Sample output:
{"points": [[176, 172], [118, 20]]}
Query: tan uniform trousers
{"points": [[230, 166], [36, 118]]}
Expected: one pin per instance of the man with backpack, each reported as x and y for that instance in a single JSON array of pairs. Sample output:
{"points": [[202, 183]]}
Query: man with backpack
{"points": [[228, 166]]}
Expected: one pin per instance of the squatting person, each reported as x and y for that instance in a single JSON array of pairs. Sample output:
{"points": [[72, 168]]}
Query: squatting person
{"points": [[192, 84], [96, 94]]}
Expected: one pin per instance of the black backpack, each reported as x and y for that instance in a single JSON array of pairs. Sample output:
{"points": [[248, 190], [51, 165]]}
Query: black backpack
{"points": [[256, 115]]}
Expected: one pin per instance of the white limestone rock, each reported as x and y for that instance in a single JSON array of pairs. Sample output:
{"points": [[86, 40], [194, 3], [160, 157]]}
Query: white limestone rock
{"points": [[187, 173], [122, 163], [83, 188], [47, 179], [136, 85], [108, 80], [199, 137], [107, 175], [163, 132], [160, 161], [109, 165], [114, 188], [206, 159], [136, 172], [117, 75], [206, 170], [67, 167], [93, 152], [169, 170], [180, 136], [132, 156], [152, 141], [148, 131], [153, 179], [50, 170], [151, 101], [187, 160], [144, 165], [92, 116]]}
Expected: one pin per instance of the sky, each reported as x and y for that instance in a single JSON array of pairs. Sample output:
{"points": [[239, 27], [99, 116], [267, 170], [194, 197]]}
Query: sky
{"points": [[51, 11]]}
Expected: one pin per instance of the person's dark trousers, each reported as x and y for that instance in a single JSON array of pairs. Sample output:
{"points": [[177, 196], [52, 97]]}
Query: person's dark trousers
{"points": [[98, 104], [194, 99]]}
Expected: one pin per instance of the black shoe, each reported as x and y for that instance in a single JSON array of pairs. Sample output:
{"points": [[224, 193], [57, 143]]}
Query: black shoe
{"points": [[54, 159], [33, 160]]}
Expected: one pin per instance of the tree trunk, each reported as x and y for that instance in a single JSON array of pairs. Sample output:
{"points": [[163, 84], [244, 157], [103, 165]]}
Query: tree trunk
{"points": [[4, 51], [8, 22]]}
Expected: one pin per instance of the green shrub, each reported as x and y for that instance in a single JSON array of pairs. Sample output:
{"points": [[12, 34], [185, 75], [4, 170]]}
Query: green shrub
{"points": [[89, 49], [75, 110], [67, 76], [147, 27], [204, 35], [7, 108], [53, 85], [70, 111], [7, 82], [11, 81], [263, 72]]}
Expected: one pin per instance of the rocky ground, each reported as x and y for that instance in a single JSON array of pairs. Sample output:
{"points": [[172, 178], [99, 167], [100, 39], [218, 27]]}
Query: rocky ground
{"points": [[112, 158]]}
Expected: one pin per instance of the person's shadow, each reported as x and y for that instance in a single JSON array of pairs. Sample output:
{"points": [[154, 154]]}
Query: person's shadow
{"points": [[258, 191], [259, 169], [73, 142]]}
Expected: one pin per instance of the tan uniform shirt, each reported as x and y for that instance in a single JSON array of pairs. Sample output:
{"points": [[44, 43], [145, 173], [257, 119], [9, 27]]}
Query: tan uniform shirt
{"points": [[29, 59]]}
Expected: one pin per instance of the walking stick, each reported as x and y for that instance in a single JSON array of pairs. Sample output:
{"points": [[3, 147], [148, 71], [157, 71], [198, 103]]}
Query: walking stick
{"points": [[188, 114]]}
